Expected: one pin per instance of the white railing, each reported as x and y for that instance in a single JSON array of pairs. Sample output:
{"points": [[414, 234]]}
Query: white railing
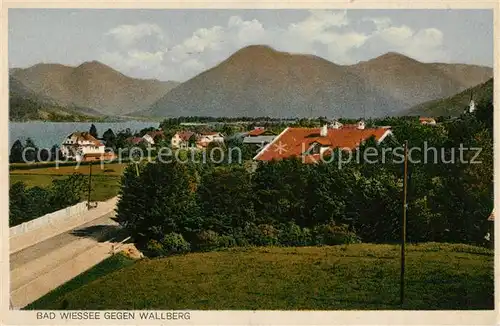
{"points": [[116, 246], [51, 218]]}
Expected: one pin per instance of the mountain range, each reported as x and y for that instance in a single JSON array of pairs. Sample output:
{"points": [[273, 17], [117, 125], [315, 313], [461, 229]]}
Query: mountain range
{"points": [[255, 81], [91, 86]]}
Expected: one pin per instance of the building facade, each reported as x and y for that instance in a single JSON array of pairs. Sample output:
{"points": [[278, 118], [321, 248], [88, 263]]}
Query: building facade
{"points": [[78, 144]]}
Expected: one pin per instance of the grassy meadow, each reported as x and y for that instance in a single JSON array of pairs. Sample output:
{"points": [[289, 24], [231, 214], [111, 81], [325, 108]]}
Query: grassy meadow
{"points": [[105, 178], [105, 267], [360, 277]]}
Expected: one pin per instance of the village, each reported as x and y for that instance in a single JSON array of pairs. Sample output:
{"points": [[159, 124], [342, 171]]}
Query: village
{"points": [[82, 146]]}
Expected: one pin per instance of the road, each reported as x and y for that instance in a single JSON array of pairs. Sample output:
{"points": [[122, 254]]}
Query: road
{"points": [[40, 268], [46, 247]]}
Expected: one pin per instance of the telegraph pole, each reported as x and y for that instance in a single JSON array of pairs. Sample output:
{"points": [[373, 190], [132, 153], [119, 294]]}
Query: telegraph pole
{"points": [[403, 227], [90, 184]]}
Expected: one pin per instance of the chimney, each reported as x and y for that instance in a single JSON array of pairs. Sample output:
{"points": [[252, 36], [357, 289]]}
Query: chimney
{"points": [[361, 124], [323, 131], [335, 124]]}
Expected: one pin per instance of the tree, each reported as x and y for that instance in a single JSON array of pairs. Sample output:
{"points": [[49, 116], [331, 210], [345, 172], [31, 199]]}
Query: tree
{"points": [[225, 196], [109, 138], [144, 131], [17, 203], [16, 152], [44, 155], [26, 204], [93, 130], [121, 138], [227, 130], [68, 191], [160, 200], [280, 189], [30, 150], [55, 153]]}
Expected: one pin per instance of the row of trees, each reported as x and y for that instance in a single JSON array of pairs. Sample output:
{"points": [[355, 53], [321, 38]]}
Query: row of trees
{"points": [[34, 154]]}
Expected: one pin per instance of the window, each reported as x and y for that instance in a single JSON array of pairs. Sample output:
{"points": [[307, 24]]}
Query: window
{"points": [[314, 149]]}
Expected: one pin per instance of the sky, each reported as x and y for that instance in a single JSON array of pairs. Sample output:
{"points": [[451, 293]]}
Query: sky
{"points": [[168, 44]]}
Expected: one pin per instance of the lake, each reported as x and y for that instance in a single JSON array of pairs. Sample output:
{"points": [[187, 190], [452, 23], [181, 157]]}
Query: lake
{"points": [[47, 134]]}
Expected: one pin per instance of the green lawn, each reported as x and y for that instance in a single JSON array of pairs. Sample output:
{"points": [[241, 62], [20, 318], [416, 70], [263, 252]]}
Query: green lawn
{"points": [[103, 186], [364, 276], [103, 268]]}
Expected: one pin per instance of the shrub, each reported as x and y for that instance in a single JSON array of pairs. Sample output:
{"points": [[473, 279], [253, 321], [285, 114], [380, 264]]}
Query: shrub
{"points": [[207, 240], [240, 237], [227, 241], [210, 240], [331, 234], [174, 243], [290, 234], [155, 248], [261, 235]]}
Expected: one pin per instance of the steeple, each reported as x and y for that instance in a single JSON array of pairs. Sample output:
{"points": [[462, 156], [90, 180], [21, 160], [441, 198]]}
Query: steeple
{"points": [[472, 105]]}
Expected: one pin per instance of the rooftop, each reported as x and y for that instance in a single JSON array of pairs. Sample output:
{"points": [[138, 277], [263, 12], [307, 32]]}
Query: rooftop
{"points": [[296, 141], [82, 136]]}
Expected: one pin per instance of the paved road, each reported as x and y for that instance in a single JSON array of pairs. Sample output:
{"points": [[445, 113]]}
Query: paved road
{"points": [[96, 230], [40, 268]]}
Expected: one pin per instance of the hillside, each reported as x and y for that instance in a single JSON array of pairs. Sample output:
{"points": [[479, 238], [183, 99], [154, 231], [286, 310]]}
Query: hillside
{"points": [[361, 277], [260, 81], [25, 105], [91, 85], [453, 105], [413, 82]]}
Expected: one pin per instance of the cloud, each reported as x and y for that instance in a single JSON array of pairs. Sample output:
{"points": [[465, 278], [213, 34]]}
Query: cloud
{"points": [[127, 35], [424, 44], [379, 22], [330, 34], [148, 64], [201, 40]]}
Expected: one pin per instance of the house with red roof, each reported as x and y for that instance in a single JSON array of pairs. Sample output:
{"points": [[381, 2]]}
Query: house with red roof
{"points": [[259, 136], [135, 140], [181, 139], [311, 144]]}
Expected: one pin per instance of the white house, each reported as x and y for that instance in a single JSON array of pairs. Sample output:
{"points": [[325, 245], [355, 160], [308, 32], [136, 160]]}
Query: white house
{"points": [[206, 138], [181, 139], [150, 136], [78, 144]]}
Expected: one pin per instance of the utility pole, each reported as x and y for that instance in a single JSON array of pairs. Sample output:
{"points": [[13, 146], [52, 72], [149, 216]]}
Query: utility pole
{"points": [[90, 184], [403, 226]]}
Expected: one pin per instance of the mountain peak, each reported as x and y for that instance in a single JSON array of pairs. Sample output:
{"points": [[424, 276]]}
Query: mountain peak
{"points": [[256, 53], [93, 64], [257, 48], [393, 56]]}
